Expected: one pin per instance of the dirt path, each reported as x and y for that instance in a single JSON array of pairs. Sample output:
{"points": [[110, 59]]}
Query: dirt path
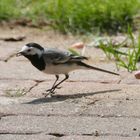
{"points": [[91, 105]]}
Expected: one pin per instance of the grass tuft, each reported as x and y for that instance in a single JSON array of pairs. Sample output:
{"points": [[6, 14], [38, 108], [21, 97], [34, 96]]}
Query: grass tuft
{"points": [[127, 60], [76, 16], [15, 92]]}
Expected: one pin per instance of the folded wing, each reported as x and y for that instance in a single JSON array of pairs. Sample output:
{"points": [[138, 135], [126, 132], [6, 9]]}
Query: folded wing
{"points": [[58, 57]]}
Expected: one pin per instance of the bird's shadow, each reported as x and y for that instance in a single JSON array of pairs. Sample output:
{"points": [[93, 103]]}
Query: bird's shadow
{"points": [[57, 98]]}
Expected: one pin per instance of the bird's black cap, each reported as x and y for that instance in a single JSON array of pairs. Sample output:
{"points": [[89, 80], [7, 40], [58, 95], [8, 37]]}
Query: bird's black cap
{"points": [[35, 45]]}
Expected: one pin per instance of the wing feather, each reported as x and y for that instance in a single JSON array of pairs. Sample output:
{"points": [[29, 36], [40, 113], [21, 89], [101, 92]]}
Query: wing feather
{"points": [[56, 56]]}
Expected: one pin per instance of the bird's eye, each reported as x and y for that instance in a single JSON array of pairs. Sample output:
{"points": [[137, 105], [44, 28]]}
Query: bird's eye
{"points": [[28, 50]]}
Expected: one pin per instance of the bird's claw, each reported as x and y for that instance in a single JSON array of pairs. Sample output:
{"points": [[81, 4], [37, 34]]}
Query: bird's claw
{"points": [[50, 92], [52, 89]]}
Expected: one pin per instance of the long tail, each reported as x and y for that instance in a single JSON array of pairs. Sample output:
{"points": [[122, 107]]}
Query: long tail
{"points": [[95, 68]]}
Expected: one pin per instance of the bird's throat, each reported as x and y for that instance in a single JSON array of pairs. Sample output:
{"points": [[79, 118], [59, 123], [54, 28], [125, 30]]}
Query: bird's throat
{"points": [[36, 61]]}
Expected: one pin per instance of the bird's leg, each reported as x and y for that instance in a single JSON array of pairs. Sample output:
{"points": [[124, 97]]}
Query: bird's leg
{"points": [[57, 77], [56, 86], [50, 90]]}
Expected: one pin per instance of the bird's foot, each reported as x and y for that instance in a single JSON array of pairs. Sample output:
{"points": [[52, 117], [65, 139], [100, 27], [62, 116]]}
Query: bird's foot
{"points": [[52, 89], [50, 92], [47, 95]]}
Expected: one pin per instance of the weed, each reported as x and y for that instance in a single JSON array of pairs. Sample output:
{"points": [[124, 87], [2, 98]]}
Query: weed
{"points": [[127, 59], [15, 93]]}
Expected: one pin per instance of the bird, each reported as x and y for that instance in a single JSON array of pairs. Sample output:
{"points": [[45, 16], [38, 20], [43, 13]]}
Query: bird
{"points": [[55, 61]]}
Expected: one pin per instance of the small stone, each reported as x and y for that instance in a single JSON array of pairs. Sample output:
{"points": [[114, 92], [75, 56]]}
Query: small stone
{"points": [[96, 133], [78, 45], [137, 75]]}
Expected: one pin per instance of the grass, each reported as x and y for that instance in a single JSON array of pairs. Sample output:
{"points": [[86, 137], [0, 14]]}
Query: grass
{"points": [[15, 92], [127, 60], [75, 16]]}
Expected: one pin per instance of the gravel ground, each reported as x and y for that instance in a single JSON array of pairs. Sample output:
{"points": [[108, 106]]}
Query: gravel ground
{"points": [[90, 105]]}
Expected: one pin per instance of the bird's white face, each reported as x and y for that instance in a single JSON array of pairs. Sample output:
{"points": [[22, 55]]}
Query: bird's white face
{"points": [[26, 50]]}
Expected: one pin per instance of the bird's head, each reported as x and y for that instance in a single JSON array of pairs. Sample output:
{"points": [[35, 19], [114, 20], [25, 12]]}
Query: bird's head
{"points": [[31, 49]]}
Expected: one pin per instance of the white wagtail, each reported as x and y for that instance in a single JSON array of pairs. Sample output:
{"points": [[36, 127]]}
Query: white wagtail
{"points": [[56, 62]]}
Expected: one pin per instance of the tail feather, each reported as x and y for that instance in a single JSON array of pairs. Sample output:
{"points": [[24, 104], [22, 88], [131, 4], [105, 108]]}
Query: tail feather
{"points": [[95, 68], [78, 58]]}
